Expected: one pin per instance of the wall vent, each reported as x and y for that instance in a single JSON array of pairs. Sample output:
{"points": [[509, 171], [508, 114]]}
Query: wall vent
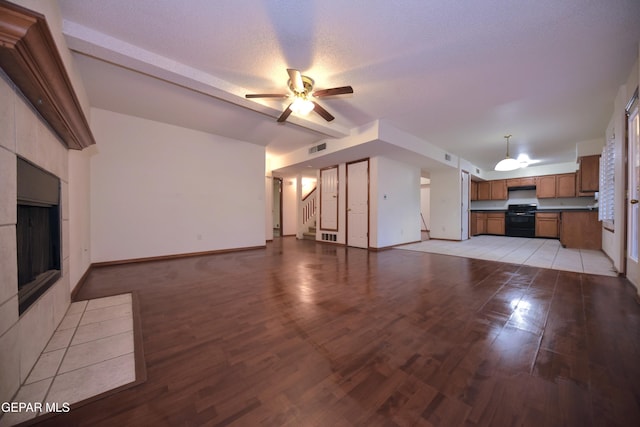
{"points": [[317, 148], [447, 157]]}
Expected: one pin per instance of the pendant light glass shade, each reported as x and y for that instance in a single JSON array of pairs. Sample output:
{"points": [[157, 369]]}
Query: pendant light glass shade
{"points": [[507, 164]]}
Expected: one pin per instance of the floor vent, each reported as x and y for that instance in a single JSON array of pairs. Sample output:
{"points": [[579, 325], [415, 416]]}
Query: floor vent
{"points": [[329, 237]]}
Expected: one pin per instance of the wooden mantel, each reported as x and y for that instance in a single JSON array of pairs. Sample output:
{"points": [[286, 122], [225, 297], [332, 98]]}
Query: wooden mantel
{"points": [[28, 55]]}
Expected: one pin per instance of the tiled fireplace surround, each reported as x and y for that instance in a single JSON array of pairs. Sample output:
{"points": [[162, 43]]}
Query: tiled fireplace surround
{"points": [[22, 338]]}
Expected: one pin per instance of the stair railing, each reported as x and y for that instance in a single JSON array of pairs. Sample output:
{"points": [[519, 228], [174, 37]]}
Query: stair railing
{"points": [[309, 203]]}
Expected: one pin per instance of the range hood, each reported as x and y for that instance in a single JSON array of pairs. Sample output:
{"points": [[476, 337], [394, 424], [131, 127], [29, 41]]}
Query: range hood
{"points": [[521, 187]]}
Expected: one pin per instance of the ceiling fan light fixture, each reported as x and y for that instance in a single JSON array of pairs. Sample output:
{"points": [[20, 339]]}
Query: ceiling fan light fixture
{"points": [[508, 163], [301, 105], [302, 89]]}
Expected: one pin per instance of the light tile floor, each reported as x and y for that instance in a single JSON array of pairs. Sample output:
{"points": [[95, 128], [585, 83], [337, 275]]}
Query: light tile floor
{"points": [[546, 253], [91, 352]]}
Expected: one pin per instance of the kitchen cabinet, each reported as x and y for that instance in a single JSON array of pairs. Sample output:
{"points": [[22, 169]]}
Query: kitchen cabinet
{"points": [[499, 189], [484, 190], [487, 223], [588, 176], [547, 224], [580, 230], [546, 186], [473, 223], [495, 223], [480, 223], [473, 195], [566, 185], [552, 186], [490, 190]]}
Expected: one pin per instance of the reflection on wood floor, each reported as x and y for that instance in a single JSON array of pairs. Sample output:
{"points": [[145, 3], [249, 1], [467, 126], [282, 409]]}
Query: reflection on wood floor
{"points": [[310, 334]]}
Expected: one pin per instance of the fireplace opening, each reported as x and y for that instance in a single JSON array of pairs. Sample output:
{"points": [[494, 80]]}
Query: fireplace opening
{"points": [[37, 232]]}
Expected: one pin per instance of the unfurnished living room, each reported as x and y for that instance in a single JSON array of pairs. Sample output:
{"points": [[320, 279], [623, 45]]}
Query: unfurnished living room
{"points": [[319, 213]]}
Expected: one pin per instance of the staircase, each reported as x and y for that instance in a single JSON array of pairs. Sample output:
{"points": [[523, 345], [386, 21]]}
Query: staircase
{"points": [[309, 215], [311, 233]]}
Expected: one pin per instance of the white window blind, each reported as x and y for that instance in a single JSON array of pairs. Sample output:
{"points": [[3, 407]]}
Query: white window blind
{"points": [[607, 181]]}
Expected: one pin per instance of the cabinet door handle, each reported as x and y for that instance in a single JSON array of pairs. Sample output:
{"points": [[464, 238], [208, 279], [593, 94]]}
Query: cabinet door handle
{"points": [[633, 201]]}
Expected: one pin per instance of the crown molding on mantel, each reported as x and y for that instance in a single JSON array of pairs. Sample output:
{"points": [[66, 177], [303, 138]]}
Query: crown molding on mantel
{"points": [[28, 55]]}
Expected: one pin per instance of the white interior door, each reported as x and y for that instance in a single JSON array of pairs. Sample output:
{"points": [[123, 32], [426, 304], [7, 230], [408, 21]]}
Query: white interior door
{"points": [[329, 199], [465, 205], [633, 271], [358, 204]]}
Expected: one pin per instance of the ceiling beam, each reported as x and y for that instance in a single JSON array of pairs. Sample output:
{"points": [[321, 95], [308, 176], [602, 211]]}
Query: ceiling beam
{"points": [[106, 48]]}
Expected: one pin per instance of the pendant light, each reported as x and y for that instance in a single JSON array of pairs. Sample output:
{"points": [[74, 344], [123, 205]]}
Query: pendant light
{"points": [[507, 164]]}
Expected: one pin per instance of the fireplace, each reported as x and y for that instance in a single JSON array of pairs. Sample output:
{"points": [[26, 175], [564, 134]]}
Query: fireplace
{"points": [[37, 232]]}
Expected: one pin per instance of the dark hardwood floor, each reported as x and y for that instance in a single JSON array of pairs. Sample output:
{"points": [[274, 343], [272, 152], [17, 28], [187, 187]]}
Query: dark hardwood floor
{"points": [[306, 334]]}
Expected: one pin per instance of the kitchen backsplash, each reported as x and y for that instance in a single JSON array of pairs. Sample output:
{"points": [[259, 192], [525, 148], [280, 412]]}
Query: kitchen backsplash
{"points": [[529, 196]]}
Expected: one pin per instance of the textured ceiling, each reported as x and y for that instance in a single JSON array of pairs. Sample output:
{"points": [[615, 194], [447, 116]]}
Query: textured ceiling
{"points": [[457, 74]]}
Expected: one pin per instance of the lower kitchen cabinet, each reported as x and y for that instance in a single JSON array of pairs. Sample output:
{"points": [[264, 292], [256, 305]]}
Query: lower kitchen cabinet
{"points": [[580, 230], [487, 223], [479, 225], [495, 223], [548, 224]]}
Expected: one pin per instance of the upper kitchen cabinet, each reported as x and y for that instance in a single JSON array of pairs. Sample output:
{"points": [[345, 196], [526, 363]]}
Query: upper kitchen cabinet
{"points": [[551, 186], [588, 177], [546, 186], [499, 189], [490, 190], [484, 190], [566, 185], [474, 191]]}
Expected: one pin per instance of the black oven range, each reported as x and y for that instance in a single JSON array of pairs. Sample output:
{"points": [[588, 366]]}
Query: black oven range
{"points": [[520, 220]]}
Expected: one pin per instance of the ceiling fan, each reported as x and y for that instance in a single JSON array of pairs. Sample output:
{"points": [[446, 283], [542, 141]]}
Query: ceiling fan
{"points": [[302, 87]]}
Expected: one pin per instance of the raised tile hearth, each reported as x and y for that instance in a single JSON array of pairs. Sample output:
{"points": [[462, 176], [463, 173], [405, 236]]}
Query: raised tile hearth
{"points": [[91, 352]]}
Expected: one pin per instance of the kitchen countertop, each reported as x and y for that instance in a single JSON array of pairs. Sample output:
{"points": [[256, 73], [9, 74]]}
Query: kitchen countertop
{"points": [[554, 210], [544, 210]]}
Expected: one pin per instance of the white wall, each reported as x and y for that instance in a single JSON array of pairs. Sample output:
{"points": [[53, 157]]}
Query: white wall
{"points": [[445, 204], [158, 189], [613, 241], [394, 202], [425, 205], [289, 206], [79, 214]]}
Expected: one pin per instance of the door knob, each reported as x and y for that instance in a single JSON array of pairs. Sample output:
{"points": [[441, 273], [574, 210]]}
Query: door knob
{"points": [[633, 201]]}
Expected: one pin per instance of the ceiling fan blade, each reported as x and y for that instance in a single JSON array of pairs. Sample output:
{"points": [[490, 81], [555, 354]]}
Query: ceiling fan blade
{"points": [[284, 114], [324, 113], [266, 95], [296, 80], [333, 91]]}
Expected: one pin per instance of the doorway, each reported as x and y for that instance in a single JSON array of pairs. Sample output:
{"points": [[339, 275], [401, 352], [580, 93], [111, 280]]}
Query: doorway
{"points": [[464, 205], [277, 207], [358, 204], [633, 185]]}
